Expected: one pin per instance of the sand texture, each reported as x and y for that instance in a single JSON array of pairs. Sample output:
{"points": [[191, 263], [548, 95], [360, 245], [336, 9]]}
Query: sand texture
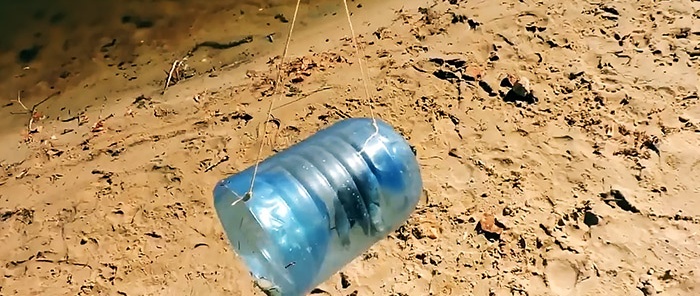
{"points": [[559, 143]]}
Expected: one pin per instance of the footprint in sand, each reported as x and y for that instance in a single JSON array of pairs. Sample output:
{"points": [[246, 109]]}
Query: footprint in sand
{"points": [[562, 276], [532, 21]]}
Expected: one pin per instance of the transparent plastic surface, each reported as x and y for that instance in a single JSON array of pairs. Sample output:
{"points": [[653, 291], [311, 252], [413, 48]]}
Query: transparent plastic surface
{"points": [[319, 204]]}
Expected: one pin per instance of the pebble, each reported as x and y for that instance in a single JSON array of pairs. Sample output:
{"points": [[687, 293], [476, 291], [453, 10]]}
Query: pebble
{"points": [[590, 219], [522, 87], [520, 91], [648, 290], [507, 211]]}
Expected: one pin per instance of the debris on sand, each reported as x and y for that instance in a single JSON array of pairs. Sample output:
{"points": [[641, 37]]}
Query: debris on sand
{"points": [[615, 197], [520, 90], [490, 227]]}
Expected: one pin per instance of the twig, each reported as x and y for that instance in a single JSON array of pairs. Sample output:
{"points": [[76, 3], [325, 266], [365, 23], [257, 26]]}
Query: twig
{"points": [[19, 100], [176, 63], [174, 69], [70, 119], [138, 210], [44, 100], [212, 166], [66, 261], [31, 111], [219, 45], [304, 96], [99, 125], [234, 64]]}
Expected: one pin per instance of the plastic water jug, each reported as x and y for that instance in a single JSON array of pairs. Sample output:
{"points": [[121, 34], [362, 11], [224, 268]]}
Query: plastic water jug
{"points": [[319, 204]]}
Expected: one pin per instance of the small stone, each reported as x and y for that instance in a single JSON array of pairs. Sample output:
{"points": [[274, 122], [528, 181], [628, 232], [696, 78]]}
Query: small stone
{"points": [[668, 275], [561, 222], [590, 219], [507, 211], [520, 92], [491, 228], [648, 290], [522, 87], [432, 233], [424, 230]]}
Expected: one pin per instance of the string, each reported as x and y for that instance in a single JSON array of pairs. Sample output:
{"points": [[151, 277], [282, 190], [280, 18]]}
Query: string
{"points": [[249, 194], [360, 56]]}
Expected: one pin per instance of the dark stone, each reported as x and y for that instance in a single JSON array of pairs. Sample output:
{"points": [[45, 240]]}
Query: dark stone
{"points": [[27, 55], [590, 219], [514, 96]]}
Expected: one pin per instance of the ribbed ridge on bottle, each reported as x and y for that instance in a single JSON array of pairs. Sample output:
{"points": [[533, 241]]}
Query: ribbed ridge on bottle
{"points": [[364, 181], [338, 179]]}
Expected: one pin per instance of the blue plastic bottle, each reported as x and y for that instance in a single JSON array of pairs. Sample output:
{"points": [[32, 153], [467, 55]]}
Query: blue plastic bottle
{"points": [[319, 204]]}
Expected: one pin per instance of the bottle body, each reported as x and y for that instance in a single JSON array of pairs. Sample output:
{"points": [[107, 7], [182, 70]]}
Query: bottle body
{"points": [[320, 203]]}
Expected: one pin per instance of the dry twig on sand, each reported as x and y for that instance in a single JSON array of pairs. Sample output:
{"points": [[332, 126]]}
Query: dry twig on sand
{"points": [[174, 70], [33, 115], [304, 96], [213, 165], [99, 125], [178, 69]]}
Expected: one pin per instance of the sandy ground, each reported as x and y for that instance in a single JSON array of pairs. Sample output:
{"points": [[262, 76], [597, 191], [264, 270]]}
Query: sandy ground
{"points": [[594, 184]]}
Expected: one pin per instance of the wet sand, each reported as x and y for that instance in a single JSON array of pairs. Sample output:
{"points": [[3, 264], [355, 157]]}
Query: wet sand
{"points": [[588, 185]]}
